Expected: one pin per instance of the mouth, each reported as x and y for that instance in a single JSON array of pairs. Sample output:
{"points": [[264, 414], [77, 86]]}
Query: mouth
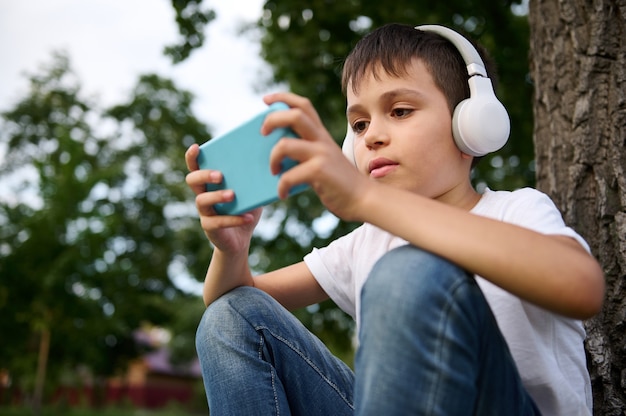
{"points": [[380, 167]]}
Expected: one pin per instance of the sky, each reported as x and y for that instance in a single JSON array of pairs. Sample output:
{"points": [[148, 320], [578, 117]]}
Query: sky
{"points": [[111, 42]]}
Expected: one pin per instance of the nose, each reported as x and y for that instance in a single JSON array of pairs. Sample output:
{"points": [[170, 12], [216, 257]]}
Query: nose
{"points": [[376, 135]]}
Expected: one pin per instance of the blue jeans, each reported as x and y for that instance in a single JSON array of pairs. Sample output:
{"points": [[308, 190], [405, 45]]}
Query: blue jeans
{"points": [[428, 345]]}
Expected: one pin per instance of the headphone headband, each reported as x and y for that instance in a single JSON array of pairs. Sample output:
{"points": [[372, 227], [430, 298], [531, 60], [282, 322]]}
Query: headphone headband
{"points": [[473, 61]]}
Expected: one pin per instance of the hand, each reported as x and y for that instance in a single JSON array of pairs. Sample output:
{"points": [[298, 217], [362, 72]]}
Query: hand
{"points": [[228, 233], [322, 164]]}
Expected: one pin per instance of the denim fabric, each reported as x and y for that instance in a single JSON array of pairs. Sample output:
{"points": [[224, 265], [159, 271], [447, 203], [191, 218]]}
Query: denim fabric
{"points": [[429, 345], [258, 359]]}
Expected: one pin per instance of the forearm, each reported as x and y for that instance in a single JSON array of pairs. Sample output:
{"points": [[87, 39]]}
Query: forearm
{"points": [[226, 272], [552, 272]]}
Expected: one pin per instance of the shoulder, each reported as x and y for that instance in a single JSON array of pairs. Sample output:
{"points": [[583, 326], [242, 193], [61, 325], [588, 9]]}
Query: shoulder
{"points": [[517, 196], [359, 239], [528, 208], [509, 205]]}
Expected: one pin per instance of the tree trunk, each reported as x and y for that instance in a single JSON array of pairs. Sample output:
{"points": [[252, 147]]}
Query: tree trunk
{"points": [[578, 66], [42, 365]]}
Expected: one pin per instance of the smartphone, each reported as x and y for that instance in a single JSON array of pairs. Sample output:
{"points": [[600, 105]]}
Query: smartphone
{"points": [[243, 157]]}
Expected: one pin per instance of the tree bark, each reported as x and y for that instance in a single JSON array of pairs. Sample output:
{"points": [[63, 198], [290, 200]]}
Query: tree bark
{"points": [[578, 67], [42, 365]]}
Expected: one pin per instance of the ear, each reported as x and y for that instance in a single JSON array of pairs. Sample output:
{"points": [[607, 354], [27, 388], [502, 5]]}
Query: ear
{"points": [[348, 145], [480, 124], [466, 156]]}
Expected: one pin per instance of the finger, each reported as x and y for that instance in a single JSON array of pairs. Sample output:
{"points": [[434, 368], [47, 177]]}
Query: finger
{"points": [[198, 179], [206, 201], [291, 178], [215, 222], [294, 101], [295, 149], [304, 126], [303, 149], [211, 220], [309, 155], [191, 157]]}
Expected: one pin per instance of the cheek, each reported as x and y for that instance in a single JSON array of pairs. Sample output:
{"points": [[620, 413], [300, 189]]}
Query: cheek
{"points": [[431, 155], [360, 155]]}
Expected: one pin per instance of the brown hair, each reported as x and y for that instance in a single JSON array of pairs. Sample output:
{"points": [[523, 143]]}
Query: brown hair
{"points": [[392, 48]]}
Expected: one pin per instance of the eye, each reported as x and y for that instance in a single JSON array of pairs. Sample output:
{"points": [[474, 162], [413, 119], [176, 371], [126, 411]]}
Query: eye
{"points": [[401, 112], [359, 126]]}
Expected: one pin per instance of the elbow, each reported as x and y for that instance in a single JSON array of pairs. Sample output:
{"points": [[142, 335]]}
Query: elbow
{"points": [[208, 298], [592, 292]]}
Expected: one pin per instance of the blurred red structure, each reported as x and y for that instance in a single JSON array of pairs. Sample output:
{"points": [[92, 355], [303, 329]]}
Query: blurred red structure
{"points": [[150, 381]]}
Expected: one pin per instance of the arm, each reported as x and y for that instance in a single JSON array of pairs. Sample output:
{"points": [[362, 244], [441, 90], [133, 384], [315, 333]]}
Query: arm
{"points": [[293, 286], [230, 235], [553, 272]]}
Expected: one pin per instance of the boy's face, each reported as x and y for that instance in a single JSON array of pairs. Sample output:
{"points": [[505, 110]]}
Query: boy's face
{"points": [[403, 133]]}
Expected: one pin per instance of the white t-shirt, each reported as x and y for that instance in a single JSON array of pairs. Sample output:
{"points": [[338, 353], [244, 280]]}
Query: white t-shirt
{"points": [[547, 348]]}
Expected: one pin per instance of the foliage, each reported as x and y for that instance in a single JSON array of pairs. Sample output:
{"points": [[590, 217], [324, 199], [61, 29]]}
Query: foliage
{"points": [[191, 21], [95, 220]]}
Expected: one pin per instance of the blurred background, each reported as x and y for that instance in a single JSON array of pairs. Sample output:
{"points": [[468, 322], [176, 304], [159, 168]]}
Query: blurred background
{"points": [[101, 252]]}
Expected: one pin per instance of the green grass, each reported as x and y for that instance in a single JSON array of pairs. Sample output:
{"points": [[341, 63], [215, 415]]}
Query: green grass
{"points": [[108, 411]]}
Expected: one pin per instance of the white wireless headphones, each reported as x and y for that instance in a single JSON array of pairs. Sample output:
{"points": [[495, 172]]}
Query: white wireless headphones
{"points": [[480, 124]]}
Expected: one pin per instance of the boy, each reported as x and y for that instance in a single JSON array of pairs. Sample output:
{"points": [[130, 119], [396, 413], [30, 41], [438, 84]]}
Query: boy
{"points": [[421, 276]]}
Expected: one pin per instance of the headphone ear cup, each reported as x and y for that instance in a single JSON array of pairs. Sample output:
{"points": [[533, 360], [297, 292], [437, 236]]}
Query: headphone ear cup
{"points": [[480, 124], [348, 146]]}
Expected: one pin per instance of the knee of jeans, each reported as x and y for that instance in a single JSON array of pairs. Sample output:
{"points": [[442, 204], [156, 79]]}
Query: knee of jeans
{"points": [[409, 274], [224, 318]]}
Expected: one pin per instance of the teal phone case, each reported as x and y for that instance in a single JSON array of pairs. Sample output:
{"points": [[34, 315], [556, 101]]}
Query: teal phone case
{"points": [[243, 157]]}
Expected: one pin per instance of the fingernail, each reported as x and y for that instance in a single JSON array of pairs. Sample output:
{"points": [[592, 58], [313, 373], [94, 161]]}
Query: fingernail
{"points": [[215, 176]]}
